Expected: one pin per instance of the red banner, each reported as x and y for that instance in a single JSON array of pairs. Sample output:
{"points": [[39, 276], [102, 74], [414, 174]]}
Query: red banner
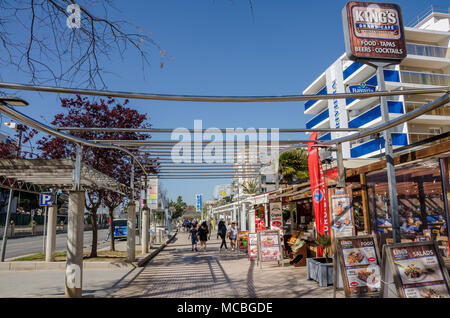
{"points": [[318, 190]]}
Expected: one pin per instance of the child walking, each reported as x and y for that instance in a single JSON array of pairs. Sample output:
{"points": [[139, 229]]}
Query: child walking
{"points": [[193, 235]]}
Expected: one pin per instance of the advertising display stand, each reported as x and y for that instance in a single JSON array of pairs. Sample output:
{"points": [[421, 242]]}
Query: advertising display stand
{"points": [[269, 247], [252, 246], [357, 263], [414, 270]]}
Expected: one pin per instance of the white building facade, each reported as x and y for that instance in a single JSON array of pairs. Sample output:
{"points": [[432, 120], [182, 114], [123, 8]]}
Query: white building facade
{"points": [[427, 65]]}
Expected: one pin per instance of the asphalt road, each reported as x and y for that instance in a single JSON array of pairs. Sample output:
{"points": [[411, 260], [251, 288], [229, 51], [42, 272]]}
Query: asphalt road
{"points": [[34, 244]]}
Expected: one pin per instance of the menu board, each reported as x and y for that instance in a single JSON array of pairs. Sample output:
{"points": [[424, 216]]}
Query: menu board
{"points": [[269, 247], [416, 269], [252, 247], [243, 239], [341, 212], [276, 216], [359, 265]]}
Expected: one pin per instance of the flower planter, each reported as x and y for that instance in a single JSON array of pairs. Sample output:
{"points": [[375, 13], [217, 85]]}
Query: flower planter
{"points": [[320, 271]]}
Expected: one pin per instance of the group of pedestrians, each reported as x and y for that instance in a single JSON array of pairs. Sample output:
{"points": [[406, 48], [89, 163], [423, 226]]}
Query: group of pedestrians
{"points": [[202, 234]]}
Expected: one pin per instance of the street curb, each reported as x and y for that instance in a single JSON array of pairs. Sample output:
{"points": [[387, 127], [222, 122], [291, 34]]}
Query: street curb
{"points": [[149, 257], [39, 266]]}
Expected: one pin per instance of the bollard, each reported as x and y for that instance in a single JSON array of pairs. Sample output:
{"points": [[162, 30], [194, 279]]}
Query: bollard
{"points": [[33, 228], [12, 225]]}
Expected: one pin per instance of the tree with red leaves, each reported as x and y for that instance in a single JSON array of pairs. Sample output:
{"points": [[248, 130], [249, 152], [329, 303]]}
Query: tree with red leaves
{"points": [[110, 113], [10, 149]]}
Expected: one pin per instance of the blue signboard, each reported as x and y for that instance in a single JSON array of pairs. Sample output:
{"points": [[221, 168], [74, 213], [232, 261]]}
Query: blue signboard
{"points": [[45, 199], [362, 88], [198, 199]]}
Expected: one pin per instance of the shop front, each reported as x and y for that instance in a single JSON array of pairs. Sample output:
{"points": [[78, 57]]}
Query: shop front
{"points": [[422, 179]]}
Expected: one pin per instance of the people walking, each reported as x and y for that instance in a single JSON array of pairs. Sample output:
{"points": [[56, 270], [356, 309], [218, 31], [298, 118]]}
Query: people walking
{"points": [[222, 231], [233, 232], [193, 233], [203, 234]]}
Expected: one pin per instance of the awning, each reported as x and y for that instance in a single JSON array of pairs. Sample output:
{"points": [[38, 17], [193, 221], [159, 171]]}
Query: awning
{"points": [[56, 173]]}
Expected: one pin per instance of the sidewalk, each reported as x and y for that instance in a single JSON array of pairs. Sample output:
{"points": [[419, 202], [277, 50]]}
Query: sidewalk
{"points": [[97, 282], [179, 272]]}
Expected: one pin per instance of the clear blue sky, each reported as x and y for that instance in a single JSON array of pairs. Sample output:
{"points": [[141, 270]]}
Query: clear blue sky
{"points": [[219, 49]]}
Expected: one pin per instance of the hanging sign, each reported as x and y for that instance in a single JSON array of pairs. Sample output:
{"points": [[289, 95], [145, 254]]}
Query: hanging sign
{"points": [[374, 30], [414, 270], [152, 192], [342, 218], [260, 222], [252, 246], [276, 216], [358, 266]]}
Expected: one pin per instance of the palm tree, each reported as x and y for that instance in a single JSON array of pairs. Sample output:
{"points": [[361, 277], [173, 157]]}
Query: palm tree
{"points": [[250, 187], [293, 165]]}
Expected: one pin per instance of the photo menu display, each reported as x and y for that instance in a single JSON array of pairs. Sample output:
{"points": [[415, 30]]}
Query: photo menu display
{"points": [[252, 249], [419, 271], [360, 265], [269, 245]]}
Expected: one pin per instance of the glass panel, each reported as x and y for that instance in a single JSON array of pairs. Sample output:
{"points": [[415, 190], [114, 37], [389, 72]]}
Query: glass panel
{"points": [[420, 201]]}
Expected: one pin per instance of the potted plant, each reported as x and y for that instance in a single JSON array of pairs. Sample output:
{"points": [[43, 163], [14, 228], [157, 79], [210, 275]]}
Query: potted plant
{"points": [[320, 269]]}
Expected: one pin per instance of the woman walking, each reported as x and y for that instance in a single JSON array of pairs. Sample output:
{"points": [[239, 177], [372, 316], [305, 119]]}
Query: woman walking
{"points": [[233, 235], [193, 235], [222, 231], [203, 234]]}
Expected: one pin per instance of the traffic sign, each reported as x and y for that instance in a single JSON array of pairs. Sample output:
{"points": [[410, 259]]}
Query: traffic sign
{"points": [[45, 199]]}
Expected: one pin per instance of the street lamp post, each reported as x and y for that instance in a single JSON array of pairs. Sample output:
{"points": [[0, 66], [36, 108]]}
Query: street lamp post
{"points": [[4, 102]]}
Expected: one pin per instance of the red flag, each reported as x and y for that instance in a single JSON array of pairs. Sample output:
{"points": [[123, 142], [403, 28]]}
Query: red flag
{"points": [[318, 190]]}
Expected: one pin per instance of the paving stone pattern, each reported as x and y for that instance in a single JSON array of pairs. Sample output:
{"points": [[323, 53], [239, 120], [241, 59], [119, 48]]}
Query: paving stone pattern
{"points": [[178, 272]]}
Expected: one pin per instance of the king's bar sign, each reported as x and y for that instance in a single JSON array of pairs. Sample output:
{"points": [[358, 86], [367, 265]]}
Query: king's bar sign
{"points": [[373, 30]]}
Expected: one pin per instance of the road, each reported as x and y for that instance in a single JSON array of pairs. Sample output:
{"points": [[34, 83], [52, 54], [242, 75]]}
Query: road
{"points": [[33, 244]]}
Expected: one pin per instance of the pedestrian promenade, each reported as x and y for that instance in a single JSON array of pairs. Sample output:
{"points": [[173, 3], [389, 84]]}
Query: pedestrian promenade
{"points": [[178, 272]]}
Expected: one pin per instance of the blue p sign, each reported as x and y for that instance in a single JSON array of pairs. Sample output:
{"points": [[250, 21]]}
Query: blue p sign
{"points": [[45, 199]]}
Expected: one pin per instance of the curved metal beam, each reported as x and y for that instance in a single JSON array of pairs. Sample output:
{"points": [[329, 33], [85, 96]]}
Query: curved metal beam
{"points": [[232, 99], [49, 130]]}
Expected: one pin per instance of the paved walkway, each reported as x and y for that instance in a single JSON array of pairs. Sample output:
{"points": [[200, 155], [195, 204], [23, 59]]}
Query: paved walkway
{"points": [[178, 272]]}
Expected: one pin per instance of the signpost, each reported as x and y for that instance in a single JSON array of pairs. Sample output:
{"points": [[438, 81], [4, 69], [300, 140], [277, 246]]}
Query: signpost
{"points": [[374, 35], [269, 247], [414, 270], [357, 266], [45, 199]]}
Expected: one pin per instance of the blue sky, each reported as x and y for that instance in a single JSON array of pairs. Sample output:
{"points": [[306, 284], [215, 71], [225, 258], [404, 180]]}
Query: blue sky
{"points": [[219, 49]]}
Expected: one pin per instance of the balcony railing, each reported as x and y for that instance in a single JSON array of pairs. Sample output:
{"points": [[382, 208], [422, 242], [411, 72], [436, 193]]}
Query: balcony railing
{"points": [[441, 111], [428, 50], [427, 12], [425, 78]]}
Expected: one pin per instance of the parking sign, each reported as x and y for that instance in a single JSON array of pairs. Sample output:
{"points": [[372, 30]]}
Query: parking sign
{"points": [[45, 199]]}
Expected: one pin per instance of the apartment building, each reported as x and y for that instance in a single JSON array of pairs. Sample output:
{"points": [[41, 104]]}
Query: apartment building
{"points": [[426, 65]]}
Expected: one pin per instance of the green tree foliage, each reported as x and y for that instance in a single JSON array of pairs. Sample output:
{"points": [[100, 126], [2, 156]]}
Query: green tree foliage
{"points": [[250, 187], [179, 207], [293, 165]]}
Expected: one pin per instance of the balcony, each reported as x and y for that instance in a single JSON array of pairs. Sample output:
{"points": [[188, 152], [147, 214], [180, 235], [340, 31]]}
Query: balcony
{"points": [[374, 113], [428, 50], [416, 137], [441, 111], [425, 78], [317, 119], [365, 149], [310, 103]]}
